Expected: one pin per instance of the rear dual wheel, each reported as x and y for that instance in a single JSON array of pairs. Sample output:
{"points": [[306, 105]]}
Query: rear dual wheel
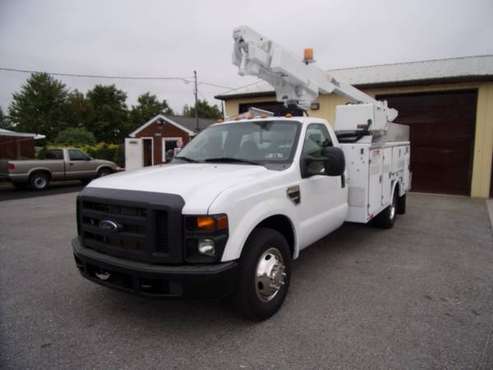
{"points": [[386, 218]]}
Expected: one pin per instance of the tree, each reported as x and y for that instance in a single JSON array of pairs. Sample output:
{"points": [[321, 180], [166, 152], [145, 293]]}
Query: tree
{"points": [[204, 109], [108, 114], [77, 109], [40, 106], [75, 136], [4, 121], [148, 106]]}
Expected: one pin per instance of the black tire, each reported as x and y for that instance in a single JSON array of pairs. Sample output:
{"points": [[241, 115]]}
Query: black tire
{"points": [[386, 218], [39, 180], [401, 205], [105, 171], [255, 301]]}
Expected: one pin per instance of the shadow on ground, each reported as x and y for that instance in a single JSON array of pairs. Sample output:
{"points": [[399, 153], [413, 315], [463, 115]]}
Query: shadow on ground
{"points": [[9, 192]]}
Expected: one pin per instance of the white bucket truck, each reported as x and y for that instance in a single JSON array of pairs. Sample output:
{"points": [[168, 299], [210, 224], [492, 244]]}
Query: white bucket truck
{"points": [[238, 204]]}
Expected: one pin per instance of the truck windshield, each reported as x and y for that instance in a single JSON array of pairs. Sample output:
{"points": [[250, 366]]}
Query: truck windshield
{"points": [[252, 142]]}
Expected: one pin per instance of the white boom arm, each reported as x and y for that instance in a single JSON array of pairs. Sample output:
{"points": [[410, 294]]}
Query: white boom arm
{"points": [[294, 81]]}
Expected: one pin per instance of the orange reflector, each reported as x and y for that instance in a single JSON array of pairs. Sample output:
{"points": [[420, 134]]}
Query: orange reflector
{"points": [[222, 222], [206, 222]]}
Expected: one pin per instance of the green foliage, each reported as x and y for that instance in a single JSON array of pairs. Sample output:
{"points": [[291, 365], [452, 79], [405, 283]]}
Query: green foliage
{"points": [[77, 109], [205, 110], [40, 106], [110, 152], [75, 136], [147, 107], [108, 114]]}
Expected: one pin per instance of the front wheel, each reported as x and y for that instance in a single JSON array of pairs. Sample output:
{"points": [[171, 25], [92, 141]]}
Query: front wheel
{"points": [[265, 271], [104, 172]]}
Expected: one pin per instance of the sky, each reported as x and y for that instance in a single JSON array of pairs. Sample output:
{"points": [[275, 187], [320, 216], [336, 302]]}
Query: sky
{"points": [[173, 38]]}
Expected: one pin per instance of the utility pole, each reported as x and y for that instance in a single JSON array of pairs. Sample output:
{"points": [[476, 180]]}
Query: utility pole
{"points": [[196, 102]]}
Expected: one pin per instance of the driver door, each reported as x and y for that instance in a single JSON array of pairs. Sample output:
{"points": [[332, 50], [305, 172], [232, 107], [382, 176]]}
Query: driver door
{"points": [[323, 203], [79, 165]]}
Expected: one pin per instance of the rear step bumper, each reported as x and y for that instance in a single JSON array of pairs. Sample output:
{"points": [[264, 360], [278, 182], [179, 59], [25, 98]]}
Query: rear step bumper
{"points": [[189, 281]]}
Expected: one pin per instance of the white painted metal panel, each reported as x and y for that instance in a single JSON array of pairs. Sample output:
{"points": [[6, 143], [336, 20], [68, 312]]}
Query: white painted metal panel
{"points": [[387, 176], [134, 154]]}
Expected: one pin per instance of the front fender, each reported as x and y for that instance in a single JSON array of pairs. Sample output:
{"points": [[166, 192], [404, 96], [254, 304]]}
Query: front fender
{"points": [[242, 224]]}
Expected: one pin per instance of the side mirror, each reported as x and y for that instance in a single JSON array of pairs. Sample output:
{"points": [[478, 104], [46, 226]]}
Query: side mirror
{"points": [[330, 163], [336, 162]]}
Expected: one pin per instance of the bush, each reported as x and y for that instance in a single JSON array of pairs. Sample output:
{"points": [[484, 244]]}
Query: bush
{"points": [[110, 152], [75, 136]]}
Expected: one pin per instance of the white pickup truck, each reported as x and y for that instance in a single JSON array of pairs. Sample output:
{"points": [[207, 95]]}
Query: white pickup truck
{"points": [[236, 207]]}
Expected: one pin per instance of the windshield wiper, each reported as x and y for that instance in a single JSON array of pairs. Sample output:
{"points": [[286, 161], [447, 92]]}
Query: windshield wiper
{"points": [[231, 160], [187, 159]]}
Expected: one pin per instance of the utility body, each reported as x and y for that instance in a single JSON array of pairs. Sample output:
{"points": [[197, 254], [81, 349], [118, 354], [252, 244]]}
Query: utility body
{"points": [[240, 202]]}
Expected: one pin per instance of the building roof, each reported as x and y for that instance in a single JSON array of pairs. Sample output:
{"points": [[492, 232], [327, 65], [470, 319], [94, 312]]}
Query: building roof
{"points": [[189, 122], [473, 68], [4, 132], [186, 124]]}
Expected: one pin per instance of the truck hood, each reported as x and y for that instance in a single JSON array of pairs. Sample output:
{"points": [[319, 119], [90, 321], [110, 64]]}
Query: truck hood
{"points": [[197, 183]]}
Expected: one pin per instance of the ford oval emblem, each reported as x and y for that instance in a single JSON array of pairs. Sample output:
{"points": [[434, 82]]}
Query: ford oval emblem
{"points": [[109, 225]]}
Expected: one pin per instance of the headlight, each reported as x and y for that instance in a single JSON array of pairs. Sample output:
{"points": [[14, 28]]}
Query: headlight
{"points": [[207, 247], [205, 238]]}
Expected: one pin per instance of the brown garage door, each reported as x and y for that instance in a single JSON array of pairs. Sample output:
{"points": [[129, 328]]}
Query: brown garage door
{"points": [[442, 138]]}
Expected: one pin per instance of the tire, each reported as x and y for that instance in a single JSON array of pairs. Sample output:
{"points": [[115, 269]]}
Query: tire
{"points": [[265, 272], [401, 205], [105, 171], [39, 181], [386, 218]]}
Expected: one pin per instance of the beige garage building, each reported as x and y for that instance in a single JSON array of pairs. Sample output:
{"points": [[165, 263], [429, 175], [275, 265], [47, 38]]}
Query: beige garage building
{"points": [[447, 103]]}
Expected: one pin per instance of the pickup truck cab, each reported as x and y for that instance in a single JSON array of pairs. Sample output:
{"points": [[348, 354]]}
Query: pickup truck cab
{"points": [[228, 216], [58, 165]]}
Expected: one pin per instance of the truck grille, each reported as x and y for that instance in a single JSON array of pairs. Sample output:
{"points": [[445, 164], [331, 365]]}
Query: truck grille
{"points": [[128, 229]]}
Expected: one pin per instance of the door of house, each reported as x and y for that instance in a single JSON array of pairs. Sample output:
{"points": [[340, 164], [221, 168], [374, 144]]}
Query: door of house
{"points": [[147, 151]]}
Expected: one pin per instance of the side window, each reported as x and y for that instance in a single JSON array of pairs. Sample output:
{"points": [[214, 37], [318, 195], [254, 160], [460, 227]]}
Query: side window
{"points": [[317, 137], [77, 155], [54, 154]]}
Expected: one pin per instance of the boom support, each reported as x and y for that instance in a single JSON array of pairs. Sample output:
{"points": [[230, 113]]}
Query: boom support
{"points": [[294, 81]]}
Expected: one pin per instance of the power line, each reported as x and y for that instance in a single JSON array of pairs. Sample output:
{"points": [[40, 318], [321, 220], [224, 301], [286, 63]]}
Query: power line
{"points": [[116, 77], [111, 77]]}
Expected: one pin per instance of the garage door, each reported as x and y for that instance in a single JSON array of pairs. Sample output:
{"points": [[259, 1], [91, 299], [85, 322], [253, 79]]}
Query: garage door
{"points": [[442, 138]]}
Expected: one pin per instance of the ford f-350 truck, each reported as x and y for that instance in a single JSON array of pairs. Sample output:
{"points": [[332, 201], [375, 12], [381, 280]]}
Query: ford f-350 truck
{"points": [[245, 197], [235, 208]]}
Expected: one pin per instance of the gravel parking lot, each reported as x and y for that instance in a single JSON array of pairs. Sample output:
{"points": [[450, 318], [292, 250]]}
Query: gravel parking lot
{"points": [[417, 296]]}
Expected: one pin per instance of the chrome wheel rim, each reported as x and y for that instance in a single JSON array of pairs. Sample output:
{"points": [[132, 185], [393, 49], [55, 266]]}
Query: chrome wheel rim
{"points": [[39, 182], [270, 274], [392, 211]]}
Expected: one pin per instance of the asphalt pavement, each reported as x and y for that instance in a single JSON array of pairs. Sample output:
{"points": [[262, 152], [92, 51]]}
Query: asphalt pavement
{"points": [[417, 296]]}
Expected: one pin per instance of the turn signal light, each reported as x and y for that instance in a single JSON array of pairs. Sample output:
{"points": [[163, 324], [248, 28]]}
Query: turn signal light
{"points": [[212, 223]]}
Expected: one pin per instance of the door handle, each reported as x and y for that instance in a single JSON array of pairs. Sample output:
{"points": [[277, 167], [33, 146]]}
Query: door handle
{"points": [[70, 164]]}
